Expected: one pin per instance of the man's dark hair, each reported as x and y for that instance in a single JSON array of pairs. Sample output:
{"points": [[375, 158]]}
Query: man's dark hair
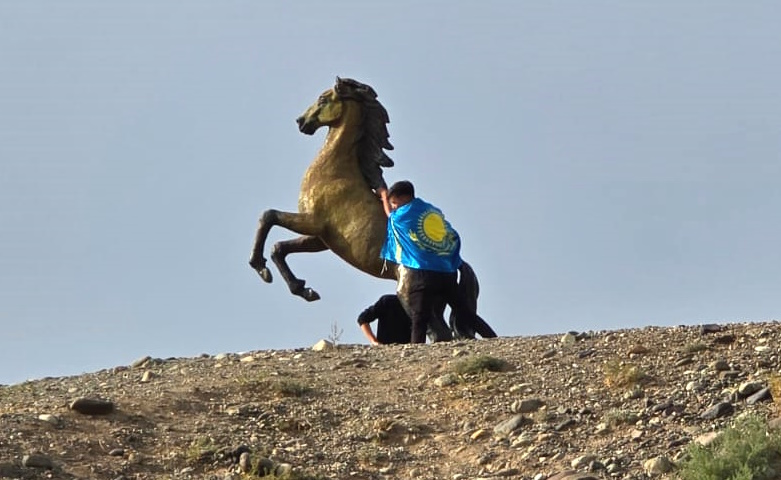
{"points": [[403, 187]]}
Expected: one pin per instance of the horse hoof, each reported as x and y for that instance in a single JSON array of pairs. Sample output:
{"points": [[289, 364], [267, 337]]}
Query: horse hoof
{"points": [[265, 274], [310, 295]]}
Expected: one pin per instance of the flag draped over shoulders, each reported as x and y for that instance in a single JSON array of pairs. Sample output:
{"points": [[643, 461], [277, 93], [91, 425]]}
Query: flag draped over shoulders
{"points": [[420, 237]]}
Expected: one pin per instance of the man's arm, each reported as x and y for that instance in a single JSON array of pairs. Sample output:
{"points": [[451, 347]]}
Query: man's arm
{"points": [[364, 321], [366, 328], [383, 193]]}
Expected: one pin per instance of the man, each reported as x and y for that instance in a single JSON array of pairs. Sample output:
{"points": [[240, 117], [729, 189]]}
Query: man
{"points": [[393, 323], [427, 250]]}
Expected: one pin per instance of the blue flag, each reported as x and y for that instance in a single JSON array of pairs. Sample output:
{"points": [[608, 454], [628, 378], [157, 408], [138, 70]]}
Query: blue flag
{"points": [[420, 237]]}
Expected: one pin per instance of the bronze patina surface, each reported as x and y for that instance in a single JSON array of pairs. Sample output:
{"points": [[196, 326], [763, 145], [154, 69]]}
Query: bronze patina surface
{"points": [[338, 208]]}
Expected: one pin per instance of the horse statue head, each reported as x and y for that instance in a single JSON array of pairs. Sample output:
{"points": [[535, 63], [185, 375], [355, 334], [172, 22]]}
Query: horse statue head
{"points": [[371, 136]]}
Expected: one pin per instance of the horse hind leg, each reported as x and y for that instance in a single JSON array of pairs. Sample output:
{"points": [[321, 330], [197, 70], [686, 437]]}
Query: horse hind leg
{"points": [[468, 291], [280, 250]]}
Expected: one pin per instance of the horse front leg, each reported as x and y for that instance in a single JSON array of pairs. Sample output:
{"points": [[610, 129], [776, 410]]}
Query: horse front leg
{"points": [[301, 223], [280, 250]]}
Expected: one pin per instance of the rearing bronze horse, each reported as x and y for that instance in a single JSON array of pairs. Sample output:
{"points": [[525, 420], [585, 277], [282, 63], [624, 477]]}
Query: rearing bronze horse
{"points": [[337, 206]]}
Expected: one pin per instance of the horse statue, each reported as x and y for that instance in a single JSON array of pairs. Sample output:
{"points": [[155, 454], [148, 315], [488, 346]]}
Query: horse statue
{"points": [[338, 208]]}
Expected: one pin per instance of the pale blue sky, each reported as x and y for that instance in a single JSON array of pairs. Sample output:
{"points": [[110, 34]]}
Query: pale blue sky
{"points": [[609, 164]]}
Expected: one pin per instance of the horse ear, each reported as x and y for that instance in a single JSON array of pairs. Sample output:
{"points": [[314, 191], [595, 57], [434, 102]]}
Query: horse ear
{"points": [[338, 86]]}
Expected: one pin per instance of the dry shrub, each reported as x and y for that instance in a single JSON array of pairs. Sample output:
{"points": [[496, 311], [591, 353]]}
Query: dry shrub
{"points": [[623, 375]]}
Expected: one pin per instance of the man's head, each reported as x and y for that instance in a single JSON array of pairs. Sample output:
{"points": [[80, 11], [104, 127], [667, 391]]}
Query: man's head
{"points": [[401, 193]]}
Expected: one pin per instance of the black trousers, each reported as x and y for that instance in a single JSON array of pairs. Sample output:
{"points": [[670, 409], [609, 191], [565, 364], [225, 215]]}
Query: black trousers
{"points": [[418, 291]]}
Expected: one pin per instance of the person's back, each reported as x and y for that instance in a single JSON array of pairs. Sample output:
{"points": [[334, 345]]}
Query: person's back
{"points": [[393, 323], [426, 249]]}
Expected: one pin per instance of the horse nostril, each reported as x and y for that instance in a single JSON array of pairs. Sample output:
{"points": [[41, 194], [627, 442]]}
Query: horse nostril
{"points": [[300, 120]]}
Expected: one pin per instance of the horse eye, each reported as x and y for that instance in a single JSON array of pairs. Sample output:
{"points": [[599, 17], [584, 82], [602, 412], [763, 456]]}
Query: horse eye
{"points": [[322, 101]]}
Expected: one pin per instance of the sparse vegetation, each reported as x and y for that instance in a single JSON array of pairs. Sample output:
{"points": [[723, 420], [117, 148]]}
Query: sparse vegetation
{"points": [[774, 382], [292, 475], [372, 456], [286, 387], [623, 375], [199, 449], [290, 388], [336, 334], [480, 364], [745, 451]]}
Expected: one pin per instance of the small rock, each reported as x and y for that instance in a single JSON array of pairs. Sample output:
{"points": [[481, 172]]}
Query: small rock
{"points": [[707, 438], [117, 452], [720, 365], [92, 406], [583, 461], [510, 425], [283, 469], [774, 424], [565, 424], [323, 345], [265, 467], [571, 475], [478, 434], [569, 338], [760, 396], [709, 328], [694, 386], [721, 409], [37, 460], [684, 361], [526, 405], [724, 339], [50, 419], [141, 362], [596, 466], [749, 388], [523, 440], [147, 376], [638, 350], [549, 353], [507, 472], [602, 428], [446, 380], [658, 466]]}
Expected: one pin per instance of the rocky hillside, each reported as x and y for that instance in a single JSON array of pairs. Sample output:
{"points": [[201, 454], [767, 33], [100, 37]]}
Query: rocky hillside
{"points": [[612, 404]]}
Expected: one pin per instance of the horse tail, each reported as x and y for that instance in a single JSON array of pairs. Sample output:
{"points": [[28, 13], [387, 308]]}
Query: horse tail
{"points": [[468, 286], [468, 290]]}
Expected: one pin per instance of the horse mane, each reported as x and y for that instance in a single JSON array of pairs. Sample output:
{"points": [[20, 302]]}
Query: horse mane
{"points": [[372, 138]]}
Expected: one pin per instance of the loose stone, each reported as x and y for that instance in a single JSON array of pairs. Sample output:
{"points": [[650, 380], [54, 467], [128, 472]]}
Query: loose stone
{"points": [[719, 410], [510, 425], [141, 362], [37, 460], [760, 396], [527, 405], [658, 465], [92, 406]]}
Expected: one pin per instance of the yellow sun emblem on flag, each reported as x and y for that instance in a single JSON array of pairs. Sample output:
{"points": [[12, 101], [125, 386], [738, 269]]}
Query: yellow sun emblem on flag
{"points": [[434, 226], [432, 234]]}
